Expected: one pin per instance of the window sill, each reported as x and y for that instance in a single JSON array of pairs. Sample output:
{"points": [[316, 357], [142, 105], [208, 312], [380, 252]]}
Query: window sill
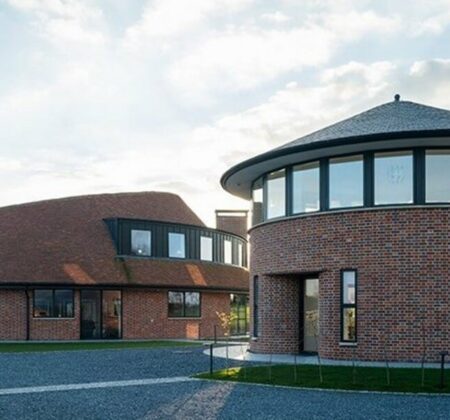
{"points": [[348, 344], [182, 318], [254, 339], [43, 318]]}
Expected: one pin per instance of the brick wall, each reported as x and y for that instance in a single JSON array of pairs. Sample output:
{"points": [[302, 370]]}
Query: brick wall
{"points": [[12, 315], [233, 221], [402, 258], [144, 316]]}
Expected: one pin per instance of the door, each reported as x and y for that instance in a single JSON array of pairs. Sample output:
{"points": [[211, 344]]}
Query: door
{"points": [[310, 315], [101, 314], [240, 311]]}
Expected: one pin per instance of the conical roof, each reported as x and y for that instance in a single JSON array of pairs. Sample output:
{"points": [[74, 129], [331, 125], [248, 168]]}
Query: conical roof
{"points": [[393, 120], [392, 117]]}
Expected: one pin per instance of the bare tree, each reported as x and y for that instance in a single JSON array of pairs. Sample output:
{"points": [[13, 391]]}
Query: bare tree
{"points": [[225, 320]]}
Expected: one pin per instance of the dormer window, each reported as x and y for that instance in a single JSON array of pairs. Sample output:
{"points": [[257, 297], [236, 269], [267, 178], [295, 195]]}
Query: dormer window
{"points": [[177, 247], [141, 242]]}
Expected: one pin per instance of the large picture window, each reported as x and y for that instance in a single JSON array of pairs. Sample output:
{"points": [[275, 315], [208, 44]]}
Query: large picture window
{"points": [[177, 245], [276, 194], [141, 242], [346, 182], [306, 188], [348, 305], [437, 168], [394, 178], [184, 304], [53, 303]]}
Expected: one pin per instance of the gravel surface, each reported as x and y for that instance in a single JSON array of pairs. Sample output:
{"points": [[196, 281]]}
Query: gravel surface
{"points": [[185, 400]]}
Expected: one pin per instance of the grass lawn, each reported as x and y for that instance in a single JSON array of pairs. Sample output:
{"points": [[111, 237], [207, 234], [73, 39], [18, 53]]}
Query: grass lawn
{"points": [[337, 377], [80, 345]]}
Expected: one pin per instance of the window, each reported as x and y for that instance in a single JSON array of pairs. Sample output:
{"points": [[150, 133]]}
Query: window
{"points": [[206, 244], [240, 255], [306, 188], [227, 252], [177, 245], [184, 304], [53, 303], [255, 306], [393, 178], [141, 242], [348, 305], [257, 197], [276, 194], [346, 182], [437, 169]]}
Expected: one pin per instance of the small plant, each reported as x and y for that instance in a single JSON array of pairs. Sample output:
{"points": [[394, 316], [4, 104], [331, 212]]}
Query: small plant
{"points": [[226, 320]]}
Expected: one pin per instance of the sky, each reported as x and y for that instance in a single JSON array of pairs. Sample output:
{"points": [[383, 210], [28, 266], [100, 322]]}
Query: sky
{"points": [[165, 95]]}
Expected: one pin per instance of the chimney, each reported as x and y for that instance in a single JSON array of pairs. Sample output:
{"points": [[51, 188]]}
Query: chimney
{"points": [[233, 221]]}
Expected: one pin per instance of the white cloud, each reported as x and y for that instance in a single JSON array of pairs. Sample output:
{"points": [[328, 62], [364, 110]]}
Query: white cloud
{"points": [[245, 57], [275, 17]]}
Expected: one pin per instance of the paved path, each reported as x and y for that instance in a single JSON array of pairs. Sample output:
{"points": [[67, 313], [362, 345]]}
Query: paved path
{"points": [[240, 353], [153, 384]]}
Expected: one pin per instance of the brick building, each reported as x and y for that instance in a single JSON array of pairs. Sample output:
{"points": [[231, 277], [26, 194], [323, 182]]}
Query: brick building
{"points": [[111, 266], [350, 237]]}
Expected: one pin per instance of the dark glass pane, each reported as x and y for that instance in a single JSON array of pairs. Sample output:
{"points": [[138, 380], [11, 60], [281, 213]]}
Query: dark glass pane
{"points": [[141, 242], [276, 194], [393, 178], [91, 314], [306, 188], [346, 182], [175, 304], [438, 176], [63, 305], [111, 314], [43, 303], [192, 304], [349, 324]]}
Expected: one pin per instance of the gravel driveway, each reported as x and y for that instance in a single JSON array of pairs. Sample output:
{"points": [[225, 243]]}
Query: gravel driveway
{"points": [[194, 399]]}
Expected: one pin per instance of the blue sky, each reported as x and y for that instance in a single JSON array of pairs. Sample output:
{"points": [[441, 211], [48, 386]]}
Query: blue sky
{"points": [[106, 96]]}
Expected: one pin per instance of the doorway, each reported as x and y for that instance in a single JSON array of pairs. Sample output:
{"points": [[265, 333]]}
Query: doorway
{"points": [[309, 314], [101, 314]]}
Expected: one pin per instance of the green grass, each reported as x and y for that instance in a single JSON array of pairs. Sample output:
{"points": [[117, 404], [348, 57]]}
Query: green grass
{"points": [[80, 345], [337, 377]]}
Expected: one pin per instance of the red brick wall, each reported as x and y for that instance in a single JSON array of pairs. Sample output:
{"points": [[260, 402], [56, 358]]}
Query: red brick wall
{"points": [[402, 258], [56, 328], [145, 316], [234, 224], [12, 315]]}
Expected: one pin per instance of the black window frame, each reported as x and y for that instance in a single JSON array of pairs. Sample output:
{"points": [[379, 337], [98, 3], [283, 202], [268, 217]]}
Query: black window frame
{"points": [[53, 311], [349, 305], [183, 316], [255, 306]]}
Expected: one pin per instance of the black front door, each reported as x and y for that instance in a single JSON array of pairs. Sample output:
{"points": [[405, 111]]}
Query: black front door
{"points": [[101, 314]]}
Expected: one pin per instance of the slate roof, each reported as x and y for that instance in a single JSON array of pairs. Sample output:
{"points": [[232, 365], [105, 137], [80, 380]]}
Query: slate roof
{"points": [[66, 242], [392, 117], [390, 121]]}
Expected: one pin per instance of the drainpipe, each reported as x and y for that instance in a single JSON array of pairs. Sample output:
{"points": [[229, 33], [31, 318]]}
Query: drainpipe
{"points": [[27, 312]]}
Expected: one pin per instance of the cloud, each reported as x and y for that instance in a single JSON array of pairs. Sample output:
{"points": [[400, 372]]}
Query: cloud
{"points": [[275, 17], [244, 57]]}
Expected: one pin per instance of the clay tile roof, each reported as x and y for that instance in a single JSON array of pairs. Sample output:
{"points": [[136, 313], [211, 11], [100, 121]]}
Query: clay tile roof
{"points": [[66, 241]]}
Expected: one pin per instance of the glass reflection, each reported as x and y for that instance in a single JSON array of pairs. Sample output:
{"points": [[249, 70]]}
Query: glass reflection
{"points": [[438, 176], [393, 178], [276, 194], [306, 187], [346, 182]]}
